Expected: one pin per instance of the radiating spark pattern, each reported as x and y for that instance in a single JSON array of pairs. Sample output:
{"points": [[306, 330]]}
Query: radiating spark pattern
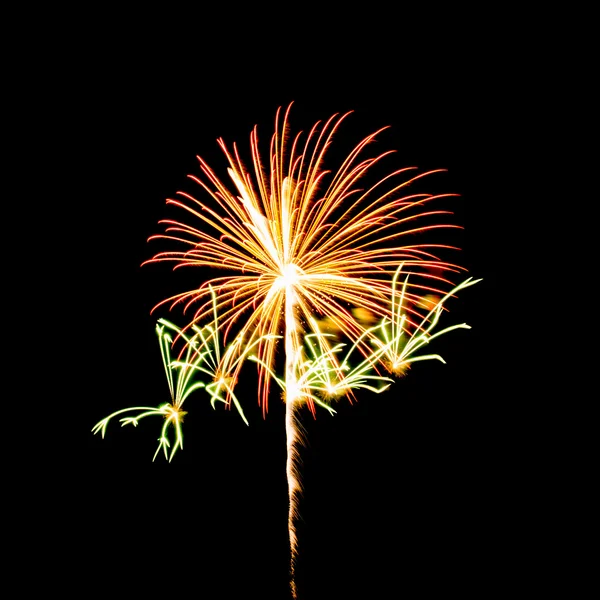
{"points": [[180, 379], [291, 228], [200, 358], [397, 346], [307, 255]]}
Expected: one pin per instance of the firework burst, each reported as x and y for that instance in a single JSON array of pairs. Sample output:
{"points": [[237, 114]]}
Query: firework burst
{"points": [[301, 245], [180, 379], [297, 241]]}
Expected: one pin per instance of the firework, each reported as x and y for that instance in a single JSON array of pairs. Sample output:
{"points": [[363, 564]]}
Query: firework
{"points": [[310, 260], [181, 385], [199, 358]]}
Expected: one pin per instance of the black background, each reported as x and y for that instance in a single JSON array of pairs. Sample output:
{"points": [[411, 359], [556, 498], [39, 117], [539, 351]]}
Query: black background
{"points": [[424, 486]]}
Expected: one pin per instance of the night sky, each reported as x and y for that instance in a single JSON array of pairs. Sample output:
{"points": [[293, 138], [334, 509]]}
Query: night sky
{"points": [[414, 487]]}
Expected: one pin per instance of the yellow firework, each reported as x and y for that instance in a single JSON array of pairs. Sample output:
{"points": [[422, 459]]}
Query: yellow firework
{"points": [[297, 243], [307, 253]]}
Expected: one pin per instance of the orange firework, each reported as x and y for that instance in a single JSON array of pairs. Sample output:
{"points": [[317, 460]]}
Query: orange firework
{"points": [[298, 241], [308, 254]]}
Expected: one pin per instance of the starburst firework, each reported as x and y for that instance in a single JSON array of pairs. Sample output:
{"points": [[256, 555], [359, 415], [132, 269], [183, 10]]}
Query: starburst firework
{"points": [[300, 245], [298, 241]]}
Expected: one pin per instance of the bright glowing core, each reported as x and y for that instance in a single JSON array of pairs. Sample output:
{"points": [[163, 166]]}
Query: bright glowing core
{"points": [[290, 275]]}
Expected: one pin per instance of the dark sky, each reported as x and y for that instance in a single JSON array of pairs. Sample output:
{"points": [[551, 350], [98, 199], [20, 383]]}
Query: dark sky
{"points": [[411, 485]]}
